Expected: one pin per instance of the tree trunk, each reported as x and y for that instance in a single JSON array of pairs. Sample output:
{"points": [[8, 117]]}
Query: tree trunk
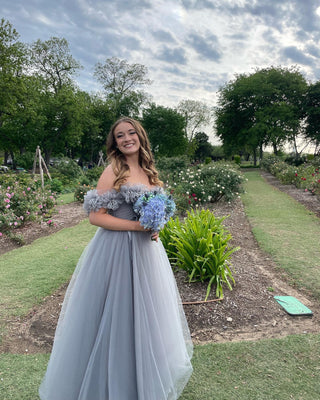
{"points": [[261, 151], [255, 157], [6, 156], [47, 155], [14, 166], [275, 149]]}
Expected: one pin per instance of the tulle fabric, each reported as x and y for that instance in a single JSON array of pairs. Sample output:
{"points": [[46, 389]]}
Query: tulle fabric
{"points": [[122, 333]]}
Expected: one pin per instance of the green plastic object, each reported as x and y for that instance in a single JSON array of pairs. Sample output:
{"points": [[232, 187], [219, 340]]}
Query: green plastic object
{"points": [[292, 305]]}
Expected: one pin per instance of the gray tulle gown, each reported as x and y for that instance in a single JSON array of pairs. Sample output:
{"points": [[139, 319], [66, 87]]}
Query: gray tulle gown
{"points": [[122, 333]]}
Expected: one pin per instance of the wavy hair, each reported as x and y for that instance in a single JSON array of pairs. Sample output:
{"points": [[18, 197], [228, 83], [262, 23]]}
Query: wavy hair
{"points": [[118, 160]]}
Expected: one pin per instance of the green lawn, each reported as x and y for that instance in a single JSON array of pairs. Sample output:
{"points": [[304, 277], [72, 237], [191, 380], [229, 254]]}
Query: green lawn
{"points": [[285, 230], [65, 198], [30, 273], [281, 369]]}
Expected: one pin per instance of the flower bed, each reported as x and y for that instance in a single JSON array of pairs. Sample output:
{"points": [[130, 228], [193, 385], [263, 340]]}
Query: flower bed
{"points": [[305, 176], [205, 183], [22, 199]]}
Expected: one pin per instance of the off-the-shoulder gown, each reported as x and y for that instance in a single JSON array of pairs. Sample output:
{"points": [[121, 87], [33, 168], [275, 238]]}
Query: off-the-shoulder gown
{"points": [[122, 333]]}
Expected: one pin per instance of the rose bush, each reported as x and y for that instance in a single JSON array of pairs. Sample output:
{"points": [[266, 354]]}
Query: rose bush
{"points": [[305, 176], [22, 199], [205, 183]]}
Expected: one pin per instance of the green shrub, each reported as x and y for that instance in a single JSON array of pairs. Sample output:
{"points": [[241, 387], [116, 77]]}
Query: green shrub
{"points": [[168, 167], [55, 185], [84, 180], [287, 175], [222, 180], [166, 235], [199, 246], [315, 162], [172, 163], [22, 199], [308, 178], [25, 160], [237, 159], [92, 175], [217, 153], [296, 159], [195, 186], [310, 157], [268, 161], [68, 184], [68, 167], [81, 191]]}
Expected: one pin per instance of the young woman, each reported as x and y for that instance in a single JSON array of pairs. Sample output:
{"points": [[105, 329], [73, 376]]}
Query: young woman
{"points": [[122, 332]]}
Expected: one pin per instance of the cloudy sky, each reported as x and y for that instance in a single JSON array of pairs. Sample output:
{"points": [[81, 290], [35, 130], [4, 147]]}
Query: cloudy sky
{"points": [[190, 47]]}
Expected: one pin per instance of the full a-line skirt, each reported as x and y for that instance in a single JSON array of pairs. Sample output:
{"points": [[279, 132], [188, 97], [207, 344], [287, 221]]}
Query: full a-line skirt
{"points": [[122, 332]]}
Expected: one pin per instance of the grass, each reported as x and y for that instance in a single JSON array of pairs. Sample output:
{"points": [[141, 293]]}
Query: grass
{"points": [[65, 198], [20, 375], [279, 369], [30, 273], [285, 230]]}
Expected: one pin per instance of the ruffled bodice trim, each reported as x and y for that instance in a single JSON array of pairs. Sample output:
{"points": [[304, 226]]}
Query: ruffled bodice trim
{"points": [[112, 199]]}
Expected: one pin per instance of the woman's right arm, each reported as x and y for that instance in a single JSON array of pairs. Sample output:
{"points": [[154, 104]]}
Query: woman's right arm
{"points": [[104, 220]]}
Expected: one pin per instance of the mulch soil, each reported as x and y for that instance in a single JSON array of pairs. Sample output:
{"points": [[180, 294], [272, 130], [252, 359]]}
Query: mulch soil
{"points": [[248, 312]]}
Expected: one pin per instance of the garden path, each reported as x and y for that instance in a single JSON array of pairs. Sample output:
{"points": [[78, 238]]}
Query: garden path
{"points": [[248, 312]]}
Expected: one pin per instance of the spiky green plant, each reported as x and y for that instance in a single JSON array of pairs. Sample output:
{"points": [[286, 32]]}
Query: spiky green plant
{"points": [[199, 246]]}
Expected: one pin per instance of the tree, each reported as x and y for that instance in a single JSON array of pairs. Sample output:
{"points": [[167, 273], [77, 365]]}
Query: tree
{"points": [[63, 127], [264, 108], [12, 65], [52, 60], [96, 120], [197, 115], [284, 109], [313, 113], [21, 127], [235, 116], [53, 63], [203, 147], [166, 129], [121, 81]]}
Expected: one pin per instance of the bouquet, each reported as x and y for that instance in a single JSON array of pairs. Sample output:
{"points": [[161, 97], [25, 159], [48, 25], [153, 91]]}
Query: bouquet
{"points": [[154, 210]]}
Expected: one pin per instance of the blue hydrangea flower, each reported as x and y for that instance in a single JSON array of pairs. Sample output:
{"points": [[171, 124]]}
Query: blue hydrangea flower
{"points": [[154, 210]]}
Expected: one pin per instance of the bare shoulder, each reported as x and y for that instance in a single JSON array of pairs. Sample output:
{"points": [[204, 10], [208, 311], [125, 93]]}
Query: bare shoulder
{"points": [[106, 179]]}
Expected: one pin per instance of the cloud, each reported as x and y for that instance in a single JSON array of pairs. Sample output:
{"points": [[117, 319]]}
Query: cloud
{"points": [[279, 15], [172, 55], [206, 46], [163, 36], [190, 47], [128, 7], [174, 69], [313, 50], [296, 55], [305, 15]]}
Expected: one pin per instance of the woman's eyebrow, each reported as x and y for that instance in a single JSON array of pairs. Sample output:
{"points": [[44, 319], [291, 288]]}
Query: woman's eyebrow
{"points": [[129, 130]]}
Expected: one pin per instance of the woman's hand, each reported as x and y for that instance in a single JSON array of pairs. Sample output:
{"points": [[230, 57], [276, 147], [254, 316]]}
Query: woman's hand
{"points": [[155, 236]]}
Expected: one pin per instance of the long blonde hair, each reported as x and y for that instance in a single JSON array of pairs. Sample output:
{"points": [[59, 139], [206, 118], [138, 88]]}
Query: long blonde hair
{"points": [[118, 160]]}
